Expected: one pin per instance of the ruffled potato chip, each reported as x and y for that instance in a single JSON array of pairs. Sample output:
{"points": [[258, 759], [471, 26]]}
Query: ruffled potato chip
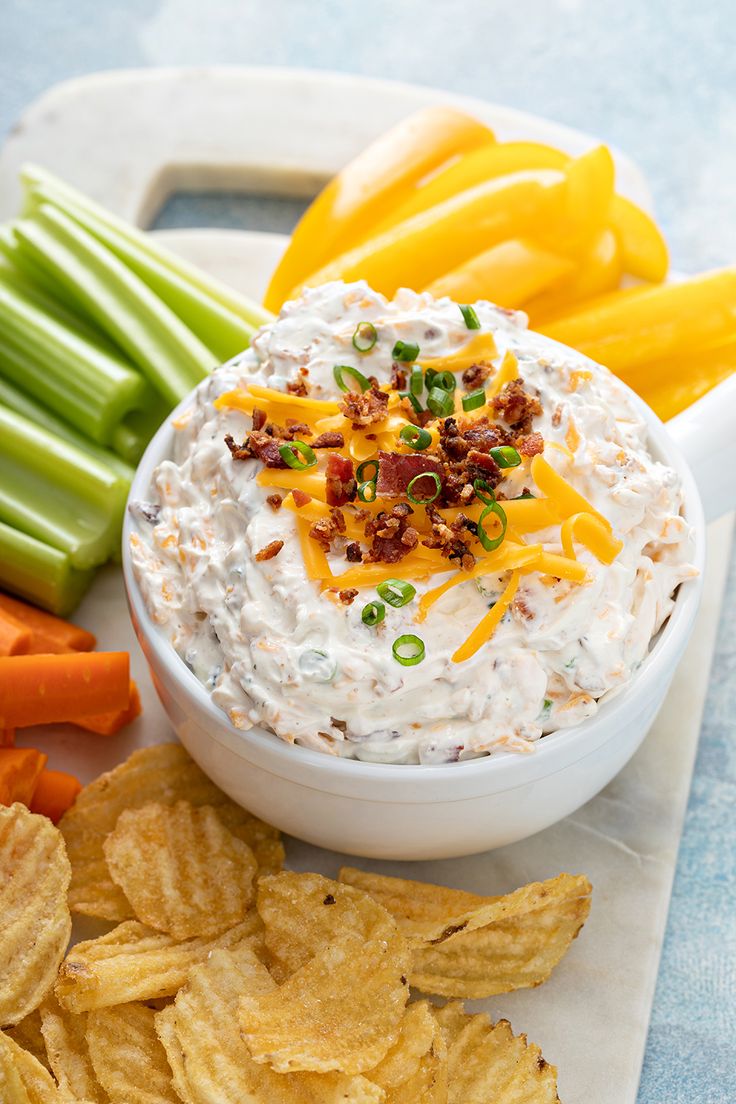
{"points": [[212, 1056], [196, 878], [429, 1084], [27, 1034], [487, 1062], [465, 946], [165, 774], [65, 1035], [417, 1032], [128, 1057], [23, 1080], [134, 962], [165, 1025], [341, 1011], [35, 923], [302, 913]]}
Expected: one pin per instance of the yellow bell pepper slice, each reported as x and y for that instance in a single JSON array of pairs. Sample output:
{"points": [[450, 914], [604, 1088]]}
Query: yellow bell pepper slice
{"points": [[671, 385], [659, 322], [588, 196], [643, 249], [419, 250], [369, 187], [598, 272], [507, 274]]}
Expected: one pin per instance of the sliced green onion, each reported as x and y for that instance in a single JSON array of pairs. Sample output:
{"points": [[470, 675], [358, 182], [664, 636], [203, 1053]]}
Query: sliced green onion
{"points": [[341, 370], [474, 400], [445, 380], [365, 337], [470, 317], [417, 406], [506, 456], [522, 497], [408, 650], [440, 402], [416, 382], [429, 376], [373, 614], [405, 351], [480, 487], [491, 543], [362, 472], [424, 475], [416, 437], [307, 457], [397, 592], [367, 491]]}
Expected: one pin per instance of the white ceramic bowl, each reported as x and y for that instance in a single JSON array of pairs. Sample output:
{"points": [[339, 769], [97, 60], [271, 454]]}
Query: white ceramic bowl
{"points": [[430, 812]]}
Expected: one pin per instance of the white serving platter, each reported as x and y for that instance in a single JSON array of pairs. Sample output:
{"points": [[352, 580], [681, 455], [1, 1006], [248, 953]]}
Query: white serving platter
{"points": [[130, 139]]}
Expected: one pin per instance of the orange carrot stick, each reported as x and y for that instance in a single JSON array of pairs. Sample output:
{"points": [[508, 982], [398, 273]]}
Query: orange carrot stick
{"points": [[50, 634], [56, 791], [107, 724], [20, 769], [43, 689], [15, 638], [7, 737]]}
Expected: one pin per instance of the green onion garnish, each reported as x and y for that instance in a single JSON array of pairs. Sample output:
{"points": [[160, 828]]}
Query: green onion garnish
{"points": [[367, 491], [429, 378], [397, 592], [416, 382], [365, 337], [373, 614], [440, 402], [491, 543], [445, 380], [474, 400], [298, 455], [408, 650], [506, 456], [521, 497], [417, 406], [470, 317], [416, 437], [362, 472], [480, 487], [424, 475], [405, 351], [341, 370]]}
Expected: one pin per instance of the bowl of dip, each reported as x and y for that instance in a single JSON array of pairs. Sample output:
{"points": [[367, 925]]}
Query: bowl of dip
{"points": [[405, 723]]}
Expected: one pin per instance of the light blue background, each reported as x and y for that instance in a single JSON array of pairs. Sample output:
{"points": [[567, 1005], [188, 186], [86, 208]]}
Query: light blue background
{"points": [[658, 79]]}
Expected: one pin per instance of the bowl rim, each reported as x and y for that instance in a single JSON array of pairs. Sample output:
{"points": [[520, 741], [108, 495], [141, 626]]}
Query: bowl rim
{"points": [[504, 769]]}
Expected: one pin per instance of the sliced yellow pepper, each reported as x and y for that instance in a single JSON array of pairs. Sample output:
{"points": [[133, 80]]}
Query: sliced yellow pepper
{"points": [[643, 249], [370, 186], [507, 274], [658, 323], [588, 198], [598, 272], [673, 384]]}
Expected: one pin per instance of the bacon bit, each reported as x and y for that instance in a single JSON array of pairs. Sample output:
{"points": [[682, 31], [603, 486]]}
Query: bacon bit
{"points": [[341, 485], [397, 469], [533, 445], [325, 529], [260, 445], [293, 429], [398, 377], [516, 406], [354, 553], [331, 439], [270, 550], [448, 538], [298, 387], [419, 418], [259, 418], [476, 375], [520, 606], [557, 416], [274, 501], [393, 536], [347, 597], [365, 408], [301, 498]]}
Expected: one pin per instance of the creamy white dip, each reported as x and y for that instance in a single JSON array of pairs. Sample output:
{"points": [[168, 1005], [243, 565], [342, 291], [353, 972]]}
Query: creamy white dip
{"points": [[275, 652]]}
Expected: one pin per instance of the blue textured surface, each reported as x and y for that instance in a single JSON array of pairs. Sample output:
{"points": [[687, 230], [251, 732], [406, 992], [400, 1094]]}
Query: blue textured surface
{"points": [[657, 78]]}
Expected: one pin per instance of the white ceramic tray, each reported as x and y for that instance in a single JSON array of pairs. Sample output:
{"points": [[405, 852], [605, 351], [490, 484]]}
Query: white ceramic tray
{"points": [[130, 138]]}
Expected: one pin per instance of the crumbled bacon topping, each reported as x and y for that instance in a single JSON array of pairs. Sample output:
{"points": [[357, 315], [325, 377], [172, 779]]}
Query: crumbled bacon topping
{"points": [[532, 445], [449, 539], [353, 552], [331, 439], [398, 377], [274, 501], [476, 375], [301, 498], [392, 535], [270, 550], [347, 597], [299, 386], [397, 469], [516, 406], [365, 408], [326, 529], [339, 479]]}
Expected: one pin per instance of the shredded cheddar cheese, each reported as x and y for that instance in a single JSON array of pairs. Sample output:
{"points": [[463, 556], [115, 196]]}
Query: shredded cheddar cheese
{"points": [[485, 629], [480, 347], [508, 371], [566, 499], [591, 532]]}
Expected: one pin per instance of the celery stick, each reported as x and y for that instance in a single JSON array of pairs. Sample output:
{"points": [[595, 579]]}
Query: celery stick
{"points": [[223, 332], [40, 574], [34, 279], [132, 435], [165, 350], [255, 315], [62, 367]]}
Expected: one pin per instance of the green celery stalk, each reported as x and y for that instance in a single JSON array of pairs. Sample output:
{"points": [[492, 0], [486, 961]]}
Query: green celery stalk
{"points": [[165, 350], [64, 368], [57, 493], [40, 574], [252, 313], [22, 272], [222, 331]]}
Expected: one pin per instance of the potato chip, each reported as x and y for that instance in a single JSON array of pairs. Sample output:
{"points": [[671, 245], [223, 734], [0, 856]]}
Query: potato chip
{"points": [[65, 1035], [134, 962], [488, 1062], [27, 1034], [429, 1084], [196, 878], [416, 1034], [128, 1058], [341, 1011], [521, 939], [216, 1063], [165, 1025], [35, 924], [165, 774], [23, 1080], [302, 913]]}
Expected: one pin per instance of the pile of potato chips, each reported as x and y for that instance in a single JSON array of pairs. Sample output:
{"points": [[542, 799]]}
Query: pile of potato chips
{"points": [[227, 980]]}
